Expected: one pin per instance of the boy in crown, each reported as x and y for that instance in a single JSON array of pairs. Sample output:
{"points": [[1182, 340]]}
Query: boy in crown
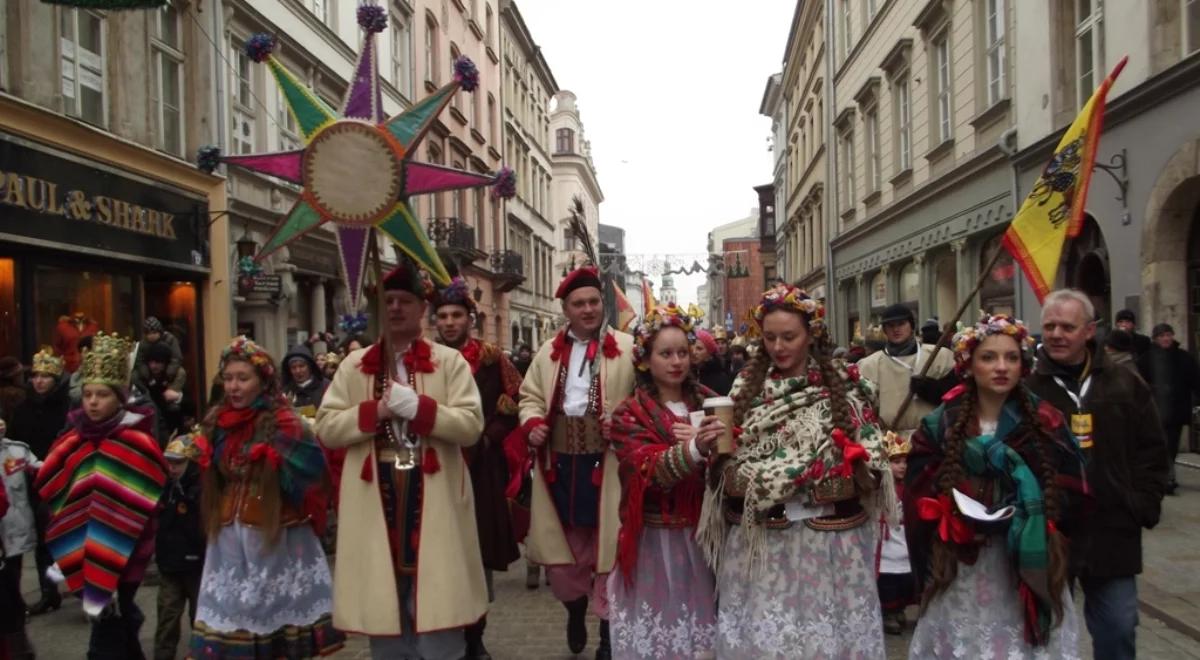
{"points": [[102, 481], [897, 584]]}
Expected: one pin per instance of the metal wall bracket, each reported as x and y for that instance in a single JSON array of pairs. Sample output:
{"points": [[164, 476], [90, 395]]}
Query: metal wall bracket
{"points": [[1117, 168]]}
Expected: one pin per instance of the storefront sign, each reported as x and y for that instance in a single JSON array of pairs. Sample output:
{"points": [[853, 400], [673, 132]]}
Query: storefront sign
{"points": [[64, 201], [272, 284]]}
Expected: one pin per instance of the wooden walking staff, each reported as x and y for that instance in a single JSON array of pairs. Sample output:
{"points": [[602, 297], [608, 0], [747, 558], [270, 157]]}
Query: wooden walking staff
{"points": [[386, 347], [948, 332]]}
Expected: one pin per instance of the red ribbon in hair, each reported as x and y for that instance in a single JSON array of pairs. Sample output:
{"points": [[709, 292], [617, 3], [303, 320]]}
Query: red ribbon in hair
{"points": [[950, 526], [852, 453]]}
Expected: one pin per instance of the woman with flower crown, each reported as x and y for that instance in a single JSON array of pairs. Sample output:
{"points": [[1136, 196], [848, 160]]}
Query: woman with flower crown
{"points": [[101, 483], [266, 591], [661, 601], [993, 588], [789, 517]]}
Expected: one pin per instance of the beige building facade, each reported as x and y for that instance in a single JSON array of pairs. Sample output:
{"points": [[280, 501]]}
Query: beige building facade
{"points": [[921, 116], [573, 175], [527, 87]]}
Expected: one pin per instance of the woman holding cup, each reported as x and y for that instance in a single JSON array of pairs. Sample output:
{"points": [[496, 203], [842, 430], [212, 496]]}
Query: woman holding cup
{"points": [[663, 438], [788, 518]]}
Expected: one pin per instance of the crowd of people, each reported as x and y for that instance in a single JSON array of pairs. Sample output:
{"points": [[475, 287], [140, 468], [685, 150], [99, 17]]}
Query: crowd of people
{"points": [[768, 495]]}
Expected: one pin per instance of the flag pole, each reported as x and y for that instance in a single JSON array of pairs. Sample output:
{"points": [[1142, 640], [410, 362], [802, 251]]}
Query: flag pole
{"points": [[948, 331]]}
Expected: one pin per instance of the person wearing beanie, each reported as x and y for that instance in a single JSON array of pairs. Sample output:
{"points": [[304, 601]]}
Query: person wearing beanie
{"points": [[577, 378], [708, 365], [499, 385], [1126, 320], [266, 589], [106, 456], [1119, 347], [896, 367], [303, 382], [404, 409], [1174, 378], [180, 543], [153, 333], [930, 332], [163, 390]]}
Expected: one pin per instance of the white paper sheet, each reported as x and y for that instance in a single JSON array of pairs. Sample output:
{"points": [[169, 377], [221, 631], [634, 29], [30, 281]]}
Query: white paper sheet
{"points": [[975, 510]]}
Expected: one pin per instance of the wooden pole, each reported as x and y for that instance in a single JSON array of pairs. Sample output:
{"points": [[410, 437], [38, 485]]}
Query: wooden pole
{"points": [[381, 307], [948, 331]]}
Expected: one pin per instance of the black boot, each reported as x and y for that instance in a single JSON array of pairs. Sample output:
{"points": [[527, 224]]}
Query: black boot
{"points": [[51, 601], [475, 648], [604, 651], [577, 624]]}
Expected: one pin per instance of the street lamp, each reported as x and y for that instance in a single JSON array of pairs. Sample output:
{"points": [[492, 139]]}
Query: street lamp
{"points": [[478, 293]]}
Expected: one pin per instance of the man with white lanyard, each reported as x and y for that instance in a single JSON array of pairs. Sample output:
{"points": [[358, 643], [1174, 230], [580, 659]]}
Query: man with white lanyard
{"points": [[1111, 412], [896, 368]]}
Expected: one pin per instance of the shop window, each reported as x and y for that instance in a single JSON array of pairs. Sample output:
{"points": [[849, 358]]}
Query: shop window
{"points": [[997, 294], [10, 314], [175, 304], [70, 303], [81, 40], [910, 283]]}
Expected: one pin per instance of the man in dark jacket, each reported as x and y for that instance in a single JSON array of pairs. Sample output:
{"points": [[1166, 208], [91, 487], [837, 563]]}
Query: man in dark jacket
{"points": [[164, 390], [179, 544], [1127, 321], [303, 383], [1112, 414], [1173, 376], [709, 368]]}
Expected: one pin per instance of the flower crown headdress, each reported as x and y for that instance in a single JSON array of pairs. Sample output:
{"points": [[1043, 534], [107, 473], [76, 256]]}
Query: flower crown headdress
{"points": [[969, 338], [663, 316], [455, 293], [793, 299], [244, 349]]}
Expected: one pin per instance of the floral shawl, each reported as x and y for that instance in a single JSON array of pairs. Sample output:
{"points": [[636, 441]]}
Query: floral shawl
{"points": [[788, 444]]}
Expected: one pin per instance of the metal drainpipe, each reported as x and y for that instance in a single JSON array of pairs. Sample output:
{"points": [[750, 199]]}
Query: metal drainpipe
{"points": [[830, 209]]}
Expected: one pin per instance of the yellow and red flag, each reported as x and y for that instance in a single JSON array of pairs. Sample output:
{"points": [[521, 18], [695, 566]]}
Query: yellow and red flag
{"points": [[1053, 211], [648, 301], [626, 314]]}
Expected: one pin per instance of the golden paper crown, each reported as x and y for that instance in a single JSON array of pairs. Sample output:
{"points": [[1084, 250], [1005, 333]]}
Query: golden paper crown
{"points": [[46, 362], [107, 362], [898, 444]]}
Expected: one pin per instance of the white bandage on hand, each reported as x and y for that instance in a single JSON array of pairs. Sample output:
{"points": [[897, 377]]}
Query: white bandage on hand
{"points": [[403, 401]]}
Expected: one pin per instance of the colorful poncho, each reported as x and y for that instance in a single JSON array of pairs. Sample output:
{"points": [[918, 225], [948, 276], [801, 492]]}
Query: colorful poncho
{"points": [[1010, 459], [788, 444], [101, 495], [654, 467]]}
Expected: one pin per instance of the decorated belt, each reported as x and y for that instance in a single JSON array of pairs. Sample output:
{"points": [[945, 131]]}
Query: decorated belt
{"points": [[667, 521]]}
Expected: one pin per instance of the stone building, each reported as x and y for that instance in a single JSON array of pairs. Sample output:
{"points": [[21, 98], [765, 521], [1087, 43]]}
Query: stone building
{"points": [[573, 175], [725, 259], [527, 87]]}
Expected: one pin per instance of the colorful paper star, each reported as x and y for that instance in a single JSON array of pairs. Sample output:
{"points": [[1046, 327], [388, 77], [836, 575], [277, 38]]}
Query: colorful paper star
{"points": [[356, 168]]}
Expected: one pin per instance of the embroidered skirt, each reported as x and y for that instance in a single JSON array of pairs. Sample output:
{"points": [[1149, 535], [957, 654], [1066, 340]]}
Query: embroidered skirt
{"points": [[979, 616], [812, 595], [263, 601], [669, 611]]}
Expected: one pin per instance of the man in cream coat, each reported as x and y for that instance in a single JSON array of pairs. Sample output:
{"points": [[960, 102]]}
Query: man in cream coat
{"points": [[404, 408], [575, 380], [897, 367]]}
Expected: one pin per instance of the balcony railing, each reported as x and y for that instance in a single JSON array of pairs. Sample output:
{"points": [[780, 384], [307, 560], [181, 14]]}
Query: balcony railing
{"points": [[455, 239], [509, 267]]}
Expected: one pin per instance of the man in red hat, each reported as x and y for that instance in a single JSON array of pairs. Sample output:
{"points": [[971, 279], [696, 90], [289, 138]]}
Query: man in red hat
{"points": [[499, 382], [404, 409], [575, 380]]}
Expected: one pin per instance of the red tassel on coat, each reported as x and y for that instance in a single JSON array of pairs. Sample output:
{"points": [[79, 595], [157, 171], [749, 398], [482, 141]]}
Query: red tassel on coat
{"points": [[367, 473], [429, 462], [598, 475]]}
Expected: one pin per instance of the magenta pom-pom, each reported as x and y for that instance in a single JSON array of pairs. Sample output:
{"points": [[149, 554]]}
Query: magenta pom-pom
{"points": [[466, 74], [372, 18], [259, 46], [504, 186]]}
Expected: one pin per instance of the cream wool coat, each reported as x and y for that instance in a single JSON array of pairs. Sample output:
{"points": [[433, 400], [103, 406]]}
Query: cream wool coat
{"points": [[547, 542], [892, 382], [450, 589]]}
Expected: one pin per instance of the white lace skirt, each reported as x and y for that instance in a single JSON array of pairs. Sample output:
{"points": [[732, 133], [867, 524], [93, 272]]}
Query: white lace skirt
{"points": [[979, 616], [669, 610], [814, 597]]}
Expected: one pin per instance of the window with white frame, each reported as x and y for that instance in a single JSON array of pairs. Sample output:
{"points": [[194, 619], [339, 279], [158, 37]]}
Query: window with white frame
{"points": [[1089, 47], [401, 55], [320, 9], [903, 121], [243, 118], [1191, 26], [167, 47], [846, 146], [431, 68], [81, 38], [847, 30], [872, 9], [997, 57], [871, 127], [289, 131], [456, 100], [487, 27], [941, 87], [491, 119]]}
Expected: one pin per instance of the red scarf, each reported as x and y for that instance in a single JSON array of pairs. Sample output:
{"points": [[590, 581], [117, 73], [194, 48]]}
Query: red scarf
{"points": [[237, 425], [472, 350], [417, 360]]}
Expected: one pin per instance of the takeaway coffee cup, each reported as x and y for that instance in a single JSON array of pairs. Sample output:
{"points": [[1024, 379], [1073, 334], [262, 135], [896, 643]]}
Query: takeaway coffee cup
{"points": [[722, 408]]}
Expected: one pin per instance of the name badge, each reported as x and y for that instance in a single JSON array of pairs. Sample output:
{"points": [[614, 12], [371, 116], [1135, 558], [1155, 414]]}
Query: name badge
{"points": [[1081, 427]]}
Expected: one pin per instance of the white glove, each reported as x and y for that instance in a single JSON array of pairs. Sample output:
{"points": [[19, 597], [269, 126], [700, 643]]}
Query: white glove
{"points": [[403, 401]]}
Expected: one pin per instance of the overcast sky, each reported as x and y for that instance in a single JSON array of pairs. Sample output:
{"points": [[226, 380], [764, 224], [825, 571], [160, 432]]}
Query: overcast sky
{"points": [[669, 93]]}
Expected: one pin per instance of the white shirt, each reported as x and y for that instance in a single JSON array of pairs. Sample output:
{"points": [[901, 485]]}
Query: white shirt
{"points": [[893, 553], [575, 394]]}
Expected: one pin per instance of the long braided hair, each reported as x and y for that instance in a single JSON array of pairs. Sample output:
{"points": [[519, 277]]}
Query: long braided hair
{"points": [[951, 472]]}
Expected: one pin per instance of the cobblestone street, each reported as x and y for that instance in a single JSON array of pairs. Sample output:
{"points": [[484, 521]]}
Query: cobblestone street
{"points": [[528, 624]]}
